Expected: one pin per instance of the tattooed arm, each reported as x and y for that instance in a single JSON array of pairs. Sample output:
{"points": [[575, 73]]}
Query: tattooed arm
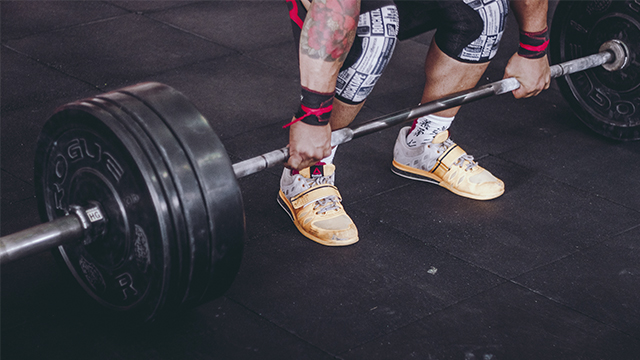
{"points": [[327, 34]]}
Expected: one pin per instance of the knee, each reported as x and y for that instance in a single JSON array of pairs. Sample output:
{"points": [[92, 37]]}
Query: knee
{"points": [[472, 37]]}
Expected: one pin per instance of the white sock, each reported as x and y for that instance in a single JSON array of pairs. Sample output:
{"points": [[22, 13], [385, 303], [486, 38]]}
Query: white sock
{"points": [[329, 159], [426, 128]]}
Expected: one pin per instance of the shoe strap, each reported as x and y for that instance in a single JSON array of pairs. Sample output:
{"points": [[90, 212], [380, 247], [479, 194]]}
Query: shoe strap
{"points": [[314, 194], [446, 160]]}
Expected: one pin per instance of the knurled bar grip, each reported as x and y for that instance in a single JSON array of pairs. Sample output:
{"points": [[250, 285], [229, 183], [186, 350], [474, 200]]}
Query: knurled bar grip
{"points": [[341, 136], [40, 238]]}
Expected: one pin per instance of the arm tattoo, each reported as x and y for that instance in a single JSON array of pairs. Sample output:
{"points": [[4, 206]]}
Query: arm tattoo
{"points": [[329, 29]]}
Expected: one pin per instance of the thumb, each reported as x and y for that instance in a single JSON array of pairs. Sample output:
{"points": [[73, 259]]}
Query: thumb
{"points": [[293, 162]]}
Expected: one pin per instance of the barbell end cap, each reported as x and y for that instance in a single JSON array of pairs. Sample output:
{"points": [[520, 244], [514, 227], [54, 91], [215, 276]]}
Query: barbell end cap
{"points": [[620, 53]]}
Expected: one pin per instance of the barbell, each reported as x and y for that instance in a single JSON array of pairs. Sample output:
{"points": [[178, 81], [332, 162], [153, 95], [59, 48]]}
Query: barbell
{"points": [[142, 202]]}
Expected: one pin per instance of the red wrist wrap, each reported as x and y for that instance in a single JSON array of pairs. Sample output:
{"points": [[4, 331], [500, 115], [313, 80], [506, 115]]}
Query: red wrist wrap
{"points": [[533, 45], [315, 108]]}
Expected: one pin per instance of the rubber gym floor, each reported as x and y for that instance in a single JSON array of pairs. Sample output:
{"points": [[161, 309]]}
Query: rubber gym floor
{"points": [[549, 270]]}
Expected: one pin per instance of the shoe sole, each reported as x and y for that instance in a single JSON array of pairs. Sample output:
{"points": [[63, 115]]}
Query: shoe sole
{"points": [[284, 204], [413, 174]]}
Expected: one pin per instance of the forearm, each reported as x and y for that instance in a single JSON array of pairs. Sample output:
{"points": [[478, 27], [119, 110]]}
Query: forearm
{"points": [[530, 14], [327, 35], [530, 65]]}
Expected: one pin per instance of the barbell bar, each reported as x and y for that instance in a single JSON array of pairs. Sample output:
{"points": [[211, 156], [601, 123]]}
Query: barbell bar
{"points": [[129, 182], [55, 233], [613, 53]]}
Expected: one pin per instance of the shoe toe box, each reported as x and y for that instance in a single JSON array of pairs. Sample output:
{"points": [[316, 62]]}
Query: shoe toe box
{"points": [[339, 229]]}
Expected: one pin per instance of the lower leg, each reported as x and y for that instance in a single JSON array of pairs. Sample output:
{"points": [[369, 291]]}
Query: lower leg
{"points": [[341, 116], [444, 76]]}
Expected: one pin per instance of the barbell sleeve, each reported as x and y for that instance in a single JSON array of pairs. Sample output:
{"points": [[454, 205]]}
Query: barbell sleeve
{"points": [[80, 224], [40, 238], [580, 64], [341, 136]]}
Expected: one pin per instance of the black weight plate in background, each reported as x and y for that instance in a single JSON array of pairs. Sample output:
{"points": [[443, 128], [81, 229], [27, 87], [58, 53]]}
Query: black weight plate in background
{"points": [[607, 102]]}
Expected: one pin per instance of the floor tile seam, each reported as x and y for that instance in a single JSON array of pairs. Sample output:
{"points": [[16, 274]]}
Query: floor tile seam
{"points": [[153, 11], [578, 251], [97, 21], [248, 54], [625, 231], [581, 250], [417, 317], [420, 318], [502, 279], [532, 142], [18, 201], [590, 193], [235, 51], [9, 173], [378, 194], [238, 303], [373, 218], [465, 261], [199, 36], [49, 66], [160, 72], [585, 191], [569, 307]]}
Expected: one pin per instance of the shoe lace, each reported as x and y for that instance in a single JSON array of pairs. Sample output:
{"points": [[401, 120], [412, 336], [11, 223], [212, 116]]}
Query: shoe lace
{"points": [[329, 203], [466, 157]]}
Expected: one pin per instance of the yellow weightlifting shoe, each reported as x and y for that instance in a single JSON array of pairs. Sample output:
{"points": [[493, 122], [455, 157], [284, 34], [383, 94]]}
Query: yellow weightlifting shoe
{"points": [[444, 163], [313, 203]]}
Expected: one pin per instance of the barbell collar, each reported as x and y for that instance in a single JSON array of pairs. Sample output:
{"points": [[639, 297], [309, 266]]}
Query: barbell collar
{"points": [[620, 53]]}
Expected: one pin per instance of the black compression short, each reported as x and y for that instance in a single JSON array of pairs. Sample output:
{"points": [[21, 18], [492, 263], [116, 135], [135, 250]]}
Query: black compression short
{"points": [[467, 31]]}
